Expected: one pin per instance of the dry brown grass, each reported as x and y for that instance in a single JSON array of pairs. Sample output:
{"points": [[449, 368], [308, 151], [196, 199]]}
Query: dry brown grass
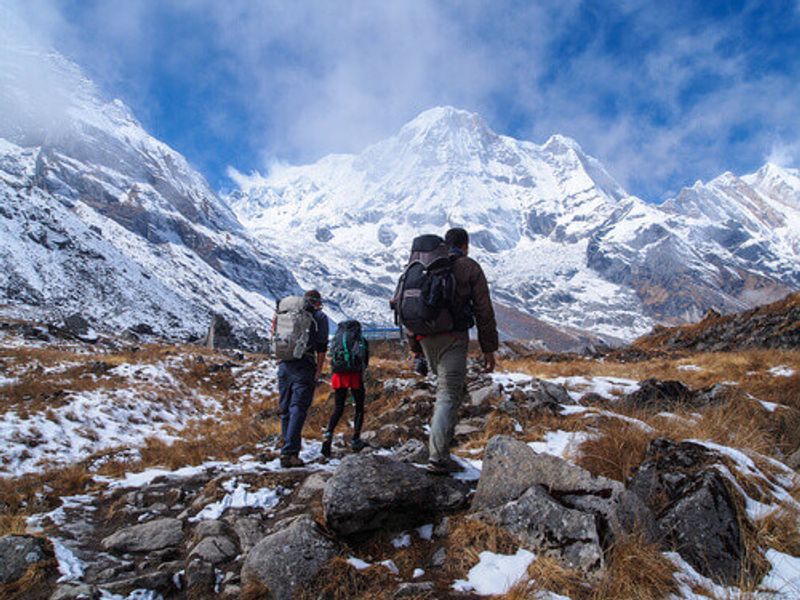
{"points": [[338, 580], [547, 574], [779, 530], [469, 537], [12, 524], [748, 367], [635, 570], [617, 448]]}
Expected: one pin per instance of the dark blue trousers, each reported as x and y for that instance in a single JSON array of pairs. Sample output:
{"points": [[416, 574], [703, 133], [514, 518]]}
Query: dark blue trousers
{"points": [[296, 388]]}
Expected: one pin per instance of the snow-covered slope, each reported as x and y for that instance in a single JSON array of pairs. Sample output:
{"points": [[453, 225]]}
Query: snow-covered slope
{"points": [[99, 217], [559, 238]]}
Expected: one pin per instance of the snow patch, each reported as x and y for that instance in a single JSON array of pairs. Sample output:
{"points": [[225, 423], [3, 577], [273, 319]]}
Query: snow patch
{"points": [[496, 573]]}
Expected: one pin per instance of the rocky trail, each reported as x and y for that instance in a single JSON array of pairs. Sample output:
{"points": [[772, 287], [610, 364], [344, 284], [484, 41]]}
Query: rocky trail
{"points": [[674, 481]]}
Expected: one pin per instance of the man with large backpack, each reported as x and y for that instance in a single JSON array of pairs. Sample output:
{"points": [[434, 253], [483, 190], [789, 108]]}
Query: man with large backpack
{"points": [[441, 295], [300, 342]]}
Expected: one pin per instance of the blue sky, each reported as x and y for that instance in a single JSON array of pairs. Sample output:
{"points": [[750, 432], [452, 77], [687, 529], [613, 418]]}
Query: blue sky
{"points": [[663, 93]]}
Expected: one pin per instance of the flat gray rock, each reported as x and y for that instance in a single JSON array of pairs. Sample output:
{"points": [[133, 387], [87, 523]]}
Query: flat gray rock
{"points": [[147, 537], [288, 558], [510, 467], [370, 492]]}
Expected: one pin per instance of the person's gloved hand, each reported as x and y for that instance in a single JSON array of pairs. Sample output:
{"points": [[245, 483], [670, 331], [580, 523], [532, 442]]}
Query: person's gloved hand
{"points": [[421, 365]]}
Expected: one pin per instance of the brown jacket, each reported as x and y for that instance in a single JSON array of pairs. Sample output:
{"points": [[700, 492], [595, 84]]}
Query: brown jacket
{"points": [[472, 302], [472, 292]]}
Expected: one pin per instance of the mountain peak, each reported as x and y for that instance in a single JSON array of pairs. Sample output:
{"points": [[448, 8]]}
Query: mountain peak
{"points": [[445, 116], [560, 144]]}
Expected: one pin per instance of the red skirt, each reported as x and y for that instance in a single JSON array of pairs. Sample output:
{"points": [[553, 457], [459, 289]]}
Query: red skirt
{"points": [[350, 380]]}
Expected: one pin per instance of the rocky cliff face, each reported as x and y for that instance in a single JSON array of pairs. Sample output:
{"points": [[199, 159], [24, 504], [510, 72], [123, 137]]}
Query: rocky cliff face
{"points": [[99, 217]]}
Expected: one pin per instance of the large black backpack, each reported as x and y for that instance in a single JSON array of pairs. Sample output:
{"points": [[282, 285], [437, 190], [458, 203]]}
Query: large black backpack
{"points": [[423, 300], [349, 348]]}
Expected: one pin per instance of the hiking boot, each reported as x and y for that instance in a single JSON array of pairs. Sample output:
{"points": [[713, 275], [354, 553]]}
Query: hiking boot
{"points": [[291, 461], [326, 447], [357, 445], [444, 467]]}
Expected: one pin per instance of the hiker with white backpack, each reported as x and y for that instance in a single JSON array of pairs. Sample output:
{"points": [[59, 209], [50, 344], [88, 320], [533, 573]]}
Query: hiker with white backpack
{"points": [[300, 343], [349, 360]]}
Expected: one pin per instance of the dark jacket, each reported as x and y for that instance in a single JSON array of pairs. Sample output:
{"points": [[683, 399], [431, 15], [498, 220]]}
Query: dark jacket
{"points": [[474, 301]]}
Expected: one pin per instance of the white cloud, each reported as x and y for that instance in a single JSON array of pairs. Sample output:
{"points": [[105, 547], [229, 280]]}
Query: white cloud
{"points": [[784, 154]]}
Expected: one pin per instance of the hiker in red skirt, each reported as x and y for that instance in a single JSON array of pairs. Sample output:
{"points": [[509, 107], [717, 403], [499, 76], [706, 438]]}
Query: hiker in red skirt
{"points": [[349, 359]]}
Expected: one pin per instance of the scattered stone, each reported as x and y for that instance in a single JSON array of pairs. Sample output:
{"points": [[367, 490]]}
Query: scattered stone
{"points": [[413, 590], [370, 492], [200, 579], [250, 530], [18, 553], [158, 581], [215, 549], [220, 334], [312, 486], [210, 528], [656, 396], [510, 467], [288, 558], [439, 558], [147, 537], [75, 591], [482, 395], [443, 528], [77, 325]]}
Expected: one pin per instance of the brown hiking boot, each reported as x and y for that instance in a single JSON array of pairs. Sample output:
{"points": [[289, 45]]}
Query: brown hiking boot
{"points": [[444, 467], [291, 461]]}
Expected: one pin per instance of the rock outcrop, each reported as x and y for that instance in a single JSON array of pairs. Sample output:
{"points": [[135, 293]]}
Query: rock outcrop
{"points": [[696, 511], [555, 507]]}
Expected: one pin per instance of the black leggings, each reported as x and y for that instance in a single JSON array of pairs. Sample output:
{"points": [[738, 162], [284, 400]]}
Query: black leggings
{"points": [[339, 396]]}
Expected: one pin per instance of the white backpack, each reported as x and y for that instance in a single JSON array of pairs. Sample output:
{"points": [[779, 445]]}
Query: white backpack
{"points": [[291, 328]]}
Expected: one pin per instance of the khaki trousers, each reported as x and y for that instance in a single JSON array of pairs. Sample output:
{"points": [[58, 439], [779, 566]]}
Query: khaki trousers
{"points": [[446, 354]]}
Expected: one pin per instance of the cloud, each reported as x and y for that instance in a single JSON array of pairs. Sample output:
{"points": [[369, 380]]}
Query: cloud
{"points": [[662, 93], [784, 154]]}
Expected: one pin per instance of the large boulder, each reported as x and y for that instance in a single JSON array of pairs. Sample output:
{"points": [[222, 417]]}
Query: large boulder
{"points": [[288, 558], [18, 553], [698, 515], [147, 537], [519, 487], [370, 492]]}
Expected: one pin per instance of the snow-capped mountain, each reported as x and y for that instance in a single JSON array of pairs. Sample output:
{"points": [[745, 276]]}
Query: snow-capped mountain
{"points": [[559, 238], [99, 217]]}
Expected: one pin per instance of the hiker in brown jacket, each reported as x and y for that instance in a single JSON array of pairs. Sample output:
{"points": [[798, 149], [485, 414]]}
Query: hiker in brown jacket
{"points": [[446, 353]]}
